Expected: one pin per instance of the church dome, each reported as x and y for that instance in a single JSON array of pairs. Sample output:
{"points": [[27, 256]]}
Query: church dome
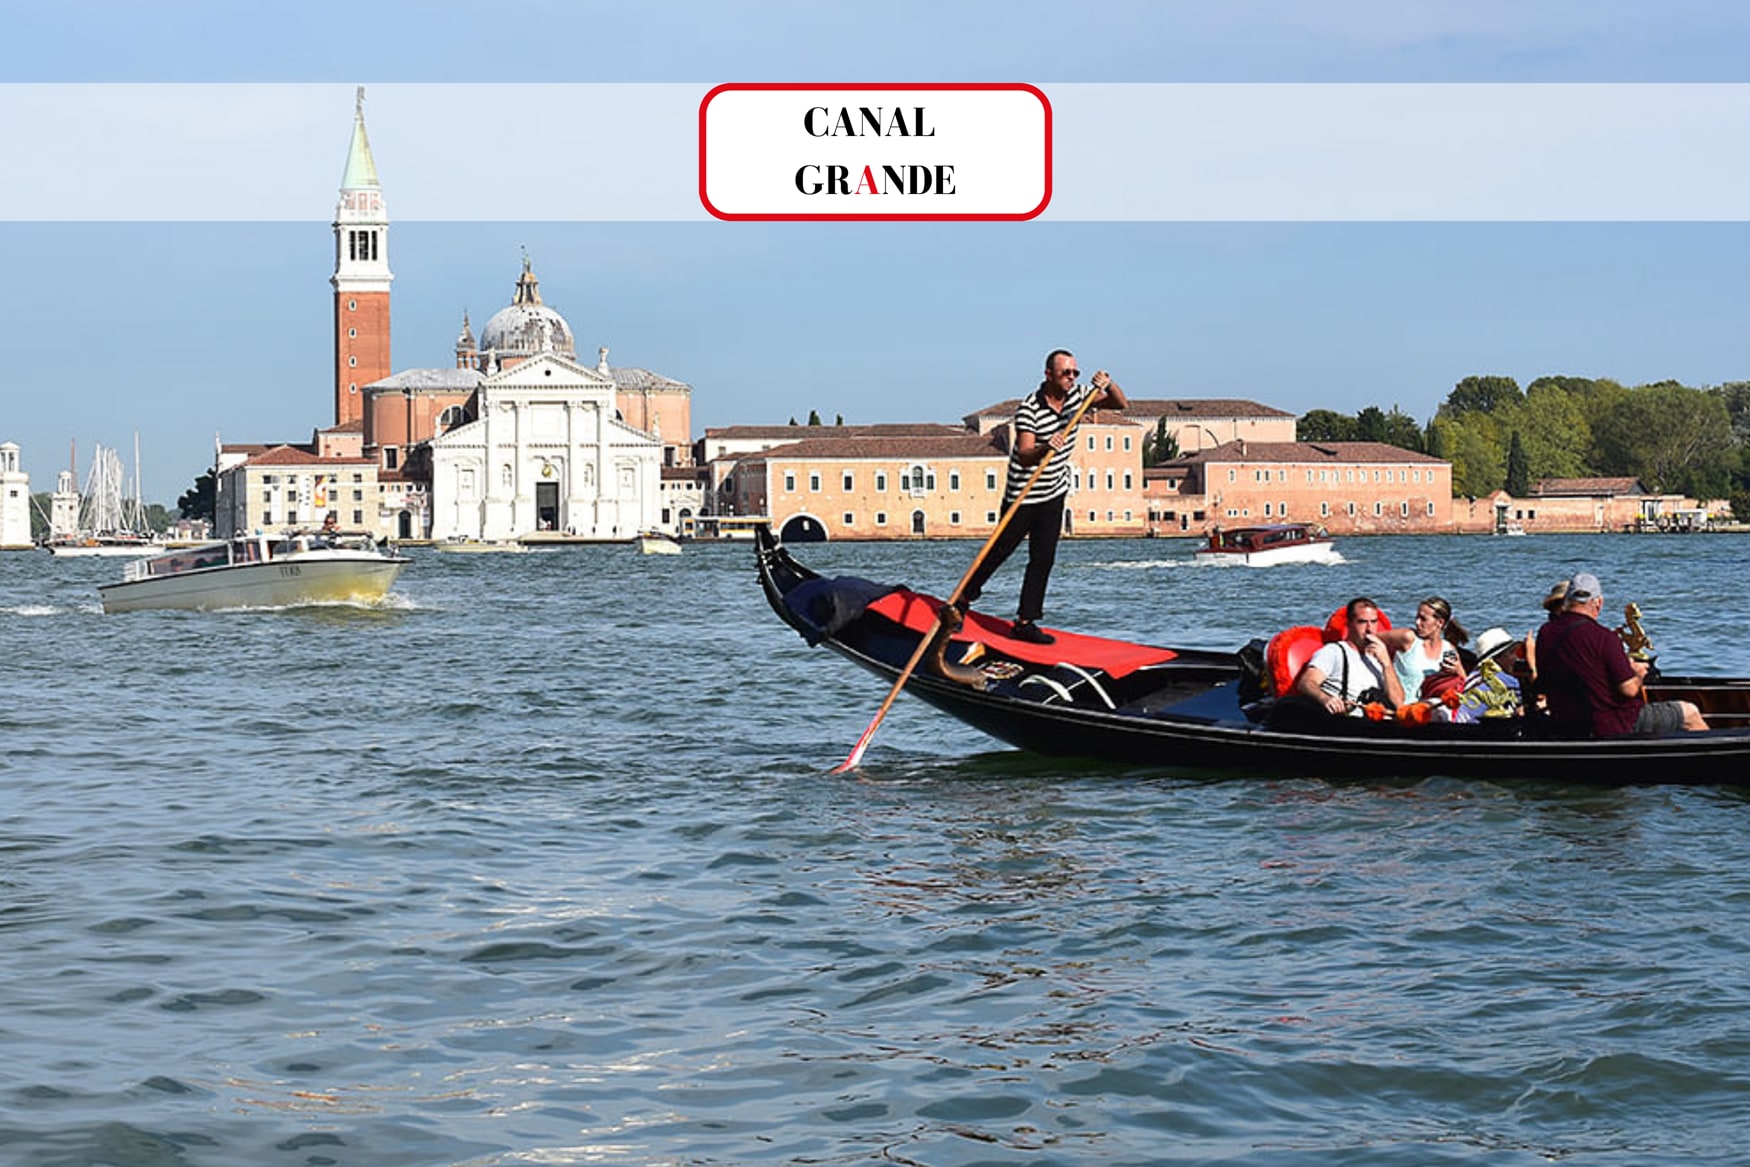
{"points": [[527, 326]]}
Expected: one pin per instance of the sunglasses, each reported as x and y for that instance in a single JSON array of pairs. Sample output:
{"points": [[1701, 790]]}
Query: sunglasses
{"points": [[1071, 373]]}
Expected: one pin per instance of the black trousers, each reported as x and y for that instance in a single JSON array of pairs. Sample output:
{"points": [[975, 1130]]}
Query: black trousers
{"points": [[1041, 524]]}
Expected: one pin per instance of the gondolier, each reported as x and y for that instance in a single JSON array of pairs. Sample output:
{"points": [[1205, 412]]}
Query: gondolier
{"points": [[1041, 430]]}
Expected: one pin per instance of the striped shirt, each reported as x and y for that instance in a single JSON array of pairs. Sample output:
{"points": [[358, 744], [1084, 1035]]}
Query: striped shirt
{"points": [[1038, 418]]}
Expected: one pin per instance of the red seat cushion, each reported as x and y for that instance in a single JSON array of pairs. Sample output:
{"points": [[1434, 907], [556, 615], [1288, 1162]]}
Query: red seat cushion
{"points": [[1287, 654]]}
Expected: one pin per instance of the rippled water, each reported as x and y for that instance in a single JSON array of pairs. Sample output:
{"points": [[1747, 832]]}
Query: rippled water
{"points": [[541, 864]]}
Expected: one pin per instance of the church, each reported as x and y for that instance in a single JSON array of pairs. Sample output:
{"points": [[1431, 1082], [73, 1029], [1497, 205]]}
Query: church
{"points": [[515, 440]]}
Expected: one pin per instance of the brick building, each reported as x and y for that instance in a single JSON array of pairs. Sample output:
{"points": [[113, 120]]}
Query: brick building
{"points": [[1361, 488]]}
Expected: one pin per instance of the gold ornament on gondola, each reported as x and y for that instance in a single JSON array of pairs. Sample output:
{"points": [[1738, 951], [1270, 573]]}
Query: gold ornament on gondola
{"points": [[1634, 637]]}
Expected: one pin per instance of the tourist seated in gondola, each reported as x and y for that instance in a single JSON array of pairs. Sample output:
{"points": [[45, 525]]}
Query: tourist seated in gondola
{"points": [[1426, 655], [1593, 688], [1346, 676]]}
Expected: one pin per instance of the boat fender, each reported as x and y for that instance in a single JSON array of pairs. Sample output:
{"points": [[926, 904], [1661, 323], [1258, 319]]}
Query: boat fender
{"points": [[1337, 627], [1287, 653]]}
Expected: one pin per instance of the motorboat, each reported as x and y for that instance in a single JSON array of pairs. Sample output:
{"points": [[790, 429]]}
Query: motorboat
{"points": [[1269, 545], [117, 546], [257, 571], [1208, 712], [461, 545], [658, 543]]}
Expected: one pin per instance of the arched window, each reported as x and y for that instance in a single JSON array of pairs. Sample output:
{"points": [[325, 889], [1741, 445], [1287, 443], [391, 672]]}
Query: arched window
{"points": [[452, 417]]}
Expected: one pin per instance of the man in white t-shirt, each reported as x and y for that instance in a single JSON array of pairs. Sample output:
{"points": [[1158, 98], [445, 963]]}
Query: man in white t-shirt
{"points": [[1346, 674]]}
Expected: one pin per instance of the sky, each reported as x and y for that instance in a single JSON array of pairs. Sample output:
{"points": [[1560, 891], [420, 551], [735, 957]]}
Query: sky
{"points": [[1605, 246]]}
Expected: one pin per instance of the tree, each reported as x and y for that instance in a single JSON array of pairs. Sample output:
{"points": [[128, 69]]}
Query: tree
{"points": [[1671, 437], [1518, 468], [1325, 425], [1472, 443], [838, 419], [200, 500], [1736, 395], [1161, 446], [1553, 431], [814, 417], [792, 419], [1481, 395], [1370, 424]]}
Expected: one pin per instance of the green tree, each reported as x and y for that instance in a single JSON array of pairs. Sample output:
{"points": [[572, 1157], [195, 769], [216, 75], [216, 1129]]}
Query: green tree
{"points": [[1370, 424], [814, 417], [1161, 446], [1736, 395], [1481, 395], [1472, 443], [1555, 436], [1518, 468], [199, 501], [1403, 431], [1671, 437], [838, 419], [1325, 425]]}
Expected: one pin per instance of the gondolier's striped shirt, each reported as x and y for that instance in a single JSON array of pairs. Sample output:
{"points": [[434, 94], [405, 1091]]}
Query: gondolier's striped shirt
{"points": [[1037, 418]]}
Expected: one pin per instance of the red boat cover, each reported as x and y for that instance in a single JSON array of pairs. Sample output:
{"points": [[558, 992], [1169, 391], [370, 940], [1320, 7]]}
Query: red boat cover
{"points": [[1118, 658]]}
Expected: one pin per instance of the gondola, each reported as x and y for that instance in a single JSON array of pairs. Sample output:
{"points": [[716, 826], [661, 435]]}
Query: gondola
{"points": [[1202, 711]]}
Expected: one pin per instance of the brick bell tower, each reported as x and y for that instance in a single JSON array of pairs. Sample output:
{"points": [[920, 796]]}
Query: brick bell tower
{"points": [[361, 277]]}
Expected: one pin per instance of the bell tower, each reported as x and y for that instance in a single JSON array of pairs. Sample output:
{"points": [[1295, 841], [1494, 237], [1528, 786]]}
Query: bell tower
{"points": [[361, 277]]}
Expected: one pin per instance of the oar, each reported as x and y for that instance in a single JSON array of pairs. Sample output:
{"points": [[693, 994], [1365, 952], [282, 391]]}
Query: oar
{"points": [[862, 745]]}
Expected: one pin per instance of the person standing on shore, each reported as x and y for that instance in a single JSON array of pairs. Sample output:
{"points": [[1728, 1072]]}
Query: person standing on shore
{"points": [[1041, 430]]}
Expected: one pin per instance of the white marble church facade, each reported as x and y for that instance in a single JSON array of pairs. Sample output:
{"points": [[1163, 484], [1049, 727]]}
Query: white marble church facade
{"points": [[545, 453]]}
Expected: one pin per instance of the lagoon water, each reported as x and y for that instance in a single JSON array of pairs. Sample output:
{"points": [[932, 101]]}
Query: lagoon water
{"points": [[541, 864]]}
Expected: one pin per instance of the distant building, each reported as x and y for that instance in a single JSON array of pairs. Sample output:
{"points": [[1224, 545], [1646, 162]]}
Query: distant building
{"points": [[516, 437], [1582, 504], [1346, 487], [14, 500], [904, 482], [1196, 423]]}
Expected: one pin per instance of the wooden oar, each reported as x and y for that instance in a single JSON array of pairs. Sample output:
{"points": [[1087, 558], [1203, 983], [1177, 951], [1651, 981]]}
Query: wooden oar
{"points": [[911, 665]]}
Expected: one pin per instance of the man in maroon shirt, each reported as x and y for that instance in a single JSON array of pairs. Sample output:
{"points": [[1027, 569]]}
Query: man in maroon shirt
{"points": [[1593, 688]]}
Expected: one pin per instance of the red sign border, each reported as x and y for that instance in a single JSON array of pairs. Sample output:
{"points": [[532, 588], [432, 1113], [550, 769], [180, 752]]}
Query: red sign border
{"points": [[793, 86]]}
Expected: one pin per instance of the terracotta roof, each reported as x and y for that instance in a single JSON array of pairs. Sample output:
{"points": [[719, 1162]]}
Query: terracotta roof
{"points": [[745, 433], [1171, 407], [346, 427], [1313, 452], [302, 456], [955, 445], [1585, 487]]}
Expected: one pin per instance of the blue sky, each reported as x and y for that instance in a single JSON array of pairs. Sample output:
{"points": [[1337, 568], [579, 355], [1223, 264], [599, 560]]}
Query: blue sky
{"points": [[181, 329]]}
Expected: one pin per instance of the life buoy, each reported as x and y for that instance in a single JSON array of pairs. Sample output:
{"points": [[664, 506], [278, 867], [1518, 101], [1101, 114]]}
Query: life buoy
{"points": [[1287, 653]]}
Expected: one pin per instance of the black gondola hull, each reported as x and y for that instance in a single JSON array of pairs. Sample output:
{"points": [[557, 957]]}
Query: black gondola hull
{"points": [[1182, 715]]}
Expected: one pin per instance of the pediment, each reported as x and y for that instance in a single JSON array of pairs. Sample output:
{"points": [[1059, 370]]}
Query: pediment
{"points": [[548, 370]]}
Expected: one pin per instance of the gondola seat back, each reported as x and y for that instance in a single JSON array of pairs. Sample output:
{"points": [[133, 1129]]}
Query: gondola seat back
{"points": [[1287, 653]]}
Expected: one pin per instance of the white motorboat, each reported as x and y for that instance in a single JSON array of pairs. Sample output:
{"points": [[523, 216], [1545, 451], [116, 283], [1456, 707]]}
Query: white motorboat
{"points": [[1269, 545], [458, 545], [257, 572], [105, 546], [658, 543]]}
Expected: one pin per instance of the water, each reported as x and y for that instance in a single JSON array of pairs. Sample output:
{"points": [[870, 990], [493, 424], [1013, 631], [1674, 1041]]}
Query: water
{"points": [[542, 864]]}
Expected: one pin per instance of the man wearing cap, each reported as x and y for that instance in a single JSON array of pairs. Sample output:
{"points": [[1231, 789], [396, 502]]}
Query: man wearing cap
{"points": [[1593, 688]]}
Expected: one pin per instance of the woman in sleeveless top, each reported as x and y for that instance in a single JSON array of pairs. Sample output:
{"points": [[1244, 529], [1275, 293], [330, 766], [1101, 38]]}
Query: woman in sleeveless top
{"points": [[1428, 649]]}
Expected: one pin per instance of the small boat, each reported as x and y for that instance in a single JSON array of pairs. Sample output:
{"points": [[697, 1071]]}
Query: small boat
{"points": [[257, 572], [1269, 545], [115, 546], [459, 545], [111, 523], [1205, 711], [1511, 529], [658, 543]]}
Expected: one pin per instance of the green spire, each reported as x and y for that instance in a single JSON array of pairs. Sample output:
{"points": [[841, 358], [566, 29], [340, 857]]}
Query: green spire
{"points": [[361, 168]]}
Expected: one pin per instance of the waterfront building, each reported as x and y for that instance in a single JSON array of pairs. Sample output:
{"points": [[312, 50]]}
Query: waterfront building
{"points": [[275, 487], [514, 437], [1360, 488], [846, 482], [1581, 504], [1193, 423], [14, 500], [64, 506]]}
